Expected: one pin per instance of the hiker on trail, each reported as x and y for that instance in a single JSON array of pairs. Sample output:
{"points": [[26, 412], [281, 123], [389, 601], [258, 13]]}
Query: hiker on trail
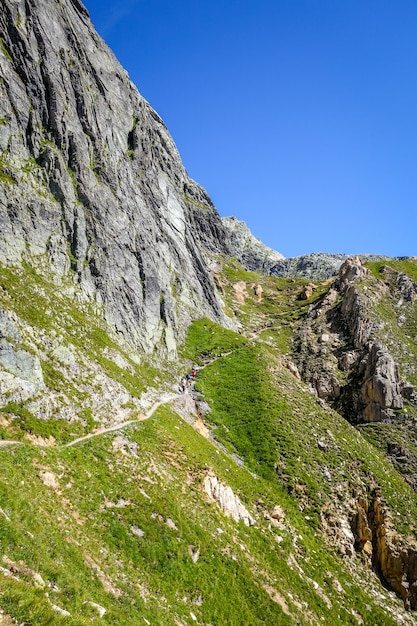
{"points": [[183, 384], [193, 373]]}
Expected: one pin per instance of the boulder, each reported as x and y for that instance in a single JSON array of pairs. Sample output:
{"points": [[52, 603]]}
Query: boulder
{"points": [[381, 389], [228, 502]]}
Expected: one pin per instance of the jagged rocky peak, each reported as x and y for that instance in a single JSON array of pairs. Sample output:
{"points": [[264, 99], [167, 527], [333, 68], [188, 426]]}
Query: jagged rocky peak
{"points": [[92, 180], [315, 266]]}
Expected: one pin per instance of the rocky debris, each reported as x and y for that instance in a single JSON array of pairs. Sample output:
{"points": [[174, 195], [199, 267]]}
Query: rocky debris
{"points": [[49, 479], [38, 440], [404, 286], [322, 445], [307, 292], [355, 315], [100, 609], [126, 447], [292, 368], [9, 327], [218, 282], [352, 269], [7, 620], [395, 561], [228, 502], [276, 517], [26, 352], [250, 251], [186, 406], [194, 553], [61, 611], [407, 287], [19, 568], [258, 291], [360, 527], [364, 527], [170, 524], [277, 597], [20, 373], [108, 585]]}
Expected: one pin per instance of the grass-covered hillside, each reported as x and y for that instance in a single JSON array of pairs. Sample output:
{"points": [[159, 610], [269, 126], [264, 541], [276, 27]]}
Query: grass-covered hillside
{"points": [[122, 527]]}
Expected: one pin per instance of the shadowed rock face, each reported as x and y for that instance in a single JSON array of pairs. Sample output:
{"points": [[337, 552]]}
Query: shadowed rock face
{"points": [[92, 179]]}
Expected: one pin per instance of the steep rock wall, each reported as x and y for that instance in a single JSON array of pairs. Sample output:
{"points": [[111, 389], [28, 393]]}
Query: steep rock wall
{"points": [[92, 182]]}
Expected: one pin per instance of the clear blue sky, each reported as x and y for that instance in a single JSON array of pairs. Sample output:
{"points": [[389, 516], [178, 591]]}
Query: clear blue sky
{"points": [[297, 116]]}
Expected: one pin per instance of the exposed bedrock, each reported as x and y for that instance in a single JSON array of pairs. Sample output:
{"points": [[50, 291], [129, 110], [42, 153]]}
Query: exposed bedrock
{"points": [[337, 350], [93, 181]]}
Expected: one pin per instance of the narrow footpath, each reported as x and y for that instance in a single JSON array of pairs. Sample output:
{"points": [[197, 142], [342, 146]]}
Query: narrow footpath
{"points": [[122, 425], [166, 399]]}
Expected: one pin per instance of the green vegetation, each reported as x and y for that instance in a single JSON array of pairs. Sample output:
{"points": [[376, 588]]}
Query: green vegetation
{"points": [[207, 340], [195, 203], [407, 266], [399, 328], [121, 522], [38, 303], [5, 175], [25, 422], [120, 530], [5, 50], [260, 411], [273, 317], [131, 145]]}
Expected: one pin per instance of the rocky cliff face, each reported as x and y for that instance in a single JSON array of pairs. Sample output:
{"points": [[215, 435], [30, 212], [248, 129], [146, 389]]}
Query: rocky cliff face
{"points": [[251, 252], [92, 185]]}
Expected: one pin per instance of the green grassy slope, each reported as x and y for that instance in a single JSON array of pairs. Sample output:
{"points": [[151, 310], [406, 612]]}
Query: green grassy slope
{"points": [[119, 529], [117, 522], [52, 316]]}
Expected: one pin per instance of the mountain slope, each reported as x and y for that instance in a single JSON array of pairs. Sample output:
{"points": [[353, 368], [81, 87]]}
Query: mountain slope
{"points": [[249, 499], [140, 523]]}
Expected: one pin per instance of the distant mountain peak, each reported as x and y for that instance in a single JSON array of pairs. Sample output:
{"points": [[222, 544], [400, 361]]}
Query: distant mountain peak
{"points": [[251, 252]]}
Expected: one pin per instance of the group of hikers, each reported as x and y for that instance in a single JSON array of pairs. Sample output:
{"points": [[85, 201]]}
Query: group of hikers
{"points": [[187, 382]]}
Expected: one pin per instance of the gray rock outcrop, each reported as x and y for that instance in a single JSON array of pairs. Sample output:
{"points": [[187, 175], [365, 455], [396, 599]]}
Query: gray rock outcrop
{"points": [[336, 350], [228, 501], [315, 266], [251, 252], [92, 181], [381, 389]]}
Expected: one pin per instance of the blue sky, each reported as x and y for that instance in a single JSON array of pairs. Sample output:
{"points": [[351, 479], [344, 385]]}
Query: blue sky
{"points": [[297, 116]]}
